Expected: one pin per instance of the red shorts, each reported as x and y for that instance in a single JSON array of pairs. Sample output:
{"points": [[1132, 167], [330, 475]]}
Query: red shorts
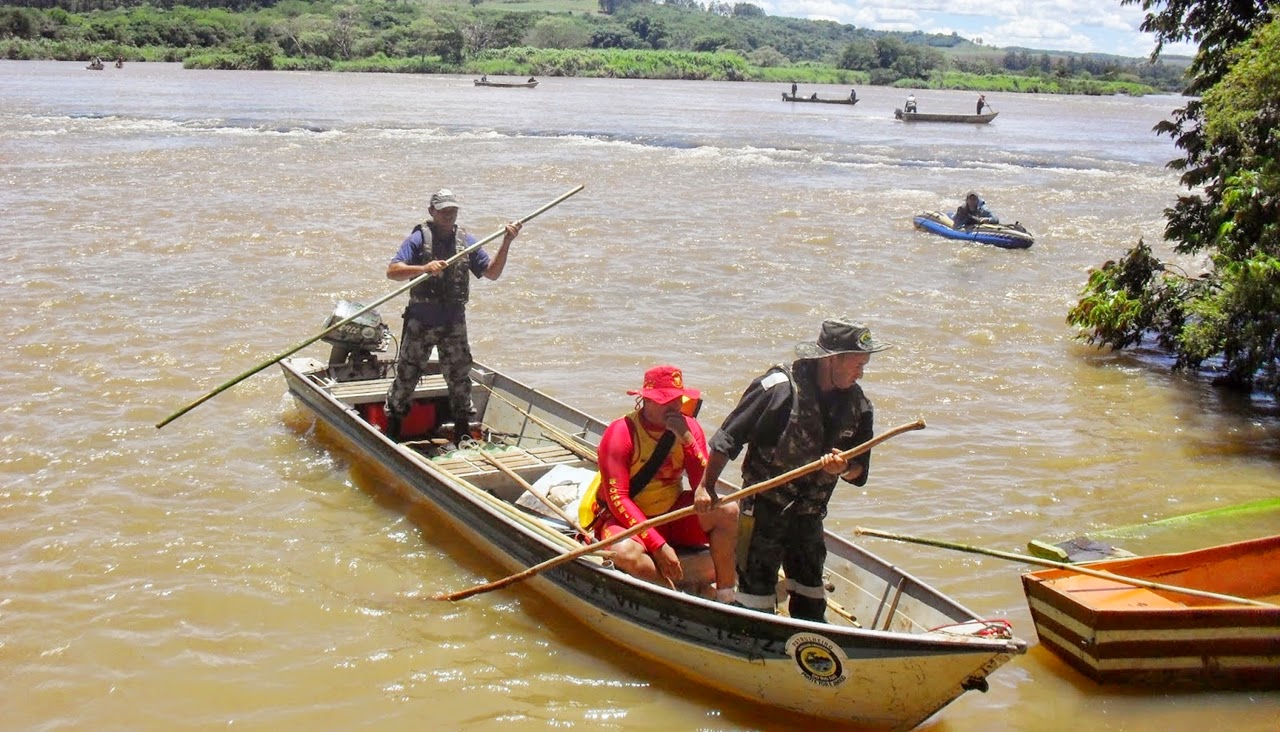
{"points": [[683, 532]]}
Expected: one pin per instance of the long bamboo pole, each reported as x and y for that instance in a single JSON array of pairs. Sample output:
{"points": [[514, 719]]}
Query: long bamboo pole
{"points": [[564, 439], [1061, 565], [410, 284], [1260, 506], [760, 487]]}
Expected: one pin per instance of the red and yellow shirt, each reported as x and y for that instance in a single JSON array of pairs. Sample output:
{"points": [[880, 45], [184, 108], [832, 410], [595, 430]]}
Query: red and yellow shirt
{"points": [[624, 448]]}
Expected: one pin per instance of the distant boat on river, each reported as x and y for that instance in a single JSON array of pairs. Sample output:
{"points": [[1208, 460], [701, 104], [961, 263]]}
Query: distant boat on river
{"points": [[813, 99], [975, 119], [531, 83]]}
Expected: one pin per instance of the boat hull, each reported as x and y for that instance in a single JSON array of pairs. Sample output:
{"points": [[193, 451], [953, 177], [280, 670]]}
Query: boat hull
{"points": [[810, 100], [891, 677], [1005, 237], [973, 119], [507, 85], [1117, 633]]}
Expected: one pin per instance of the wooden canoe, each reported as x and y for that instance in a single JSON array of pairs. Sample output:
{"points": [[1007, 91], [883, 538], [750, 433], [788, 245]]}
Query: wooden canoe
{"points": [[1117, 633], [813, 100], [974, 119], [894, 651], [508, 84]]}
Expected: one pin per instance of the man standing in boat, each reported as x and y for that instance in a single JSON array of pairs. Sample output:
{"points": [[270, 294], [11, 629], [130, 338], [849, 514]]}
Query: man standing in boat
{"points": [[794, 414], [436, 315], [642, 470], [982, 102], [972, 212]]}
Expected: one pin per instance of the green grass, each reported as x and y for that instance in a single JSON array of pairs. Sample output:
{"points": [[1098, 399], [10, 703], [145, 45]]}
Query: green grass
{"points": [[577, 7]]}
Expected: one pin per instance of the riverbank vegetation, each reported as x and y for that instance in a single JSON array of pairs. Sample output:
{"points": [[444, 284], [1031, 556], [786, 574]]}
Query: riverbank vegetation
{"points": [[1222, 316], [678, 39]]}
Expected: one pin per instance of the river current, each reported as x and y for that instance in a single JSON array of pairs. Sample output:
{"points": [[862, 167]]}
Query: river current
{"points": [[166, 230]]}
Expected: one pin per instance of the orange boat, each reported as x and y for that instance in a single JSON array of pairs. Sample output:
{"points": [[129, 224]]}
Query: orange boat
{"points": [[1120, 633]]}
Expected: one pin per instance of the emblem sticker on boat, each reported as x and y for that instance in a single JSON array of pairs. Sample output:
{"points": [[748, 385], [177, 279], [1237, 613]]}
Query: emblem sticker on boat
{"points": [[819, 660]]}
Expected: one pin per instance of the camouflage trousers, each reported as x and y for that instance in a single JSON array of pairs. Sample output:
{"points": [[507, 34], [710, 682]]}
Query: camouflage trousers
{"points": [[779, 536], [416, 341]]}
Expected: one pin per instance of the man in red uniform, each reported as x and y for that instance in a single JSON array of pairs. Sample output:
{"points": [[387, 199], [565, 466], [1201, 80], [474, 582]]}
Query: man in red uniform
{"points": [[644, 457]]}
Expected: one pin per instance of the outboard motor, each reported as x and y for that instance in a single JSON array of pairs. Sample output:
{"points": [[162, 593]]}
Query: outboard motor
{"points": [[356, 343]]}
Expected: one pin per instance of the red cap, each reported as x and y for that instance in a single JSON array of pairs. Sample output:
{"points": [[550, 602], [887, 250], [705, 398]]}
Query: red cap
{"points": [[663, 384]]}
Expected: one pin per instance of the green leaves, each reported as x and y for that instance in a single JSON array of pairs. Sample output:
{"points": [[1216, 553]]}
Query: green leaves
{"points": [[1229, 316]]}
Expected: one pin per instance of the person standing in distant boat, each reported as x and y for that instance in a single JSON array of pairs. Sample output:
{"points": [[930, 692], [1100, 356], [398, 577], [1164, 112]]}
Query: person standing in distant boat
{"points": [[982, 102], [972, 212], [436, 315], [794, 414], [911, 103], [794, 89], [853, 96]]}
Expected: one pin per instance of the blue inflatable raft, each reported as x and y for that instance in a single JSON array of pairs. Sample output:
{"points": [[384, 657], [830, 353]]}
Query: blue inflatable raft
{"points": [[1000, 235]]}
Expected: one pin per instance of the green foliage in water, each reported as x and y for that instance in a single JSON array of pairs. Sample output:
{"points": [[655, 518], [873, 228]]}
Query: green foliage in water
{"points": [[1228, 316], [1027, 84]]}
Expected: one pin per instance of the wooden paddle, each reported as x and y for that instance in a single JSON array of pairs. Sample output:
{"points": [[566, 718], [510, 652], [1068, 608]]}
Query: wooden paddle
{"points": [[665, 518], [1060, 565], [410, 284]]}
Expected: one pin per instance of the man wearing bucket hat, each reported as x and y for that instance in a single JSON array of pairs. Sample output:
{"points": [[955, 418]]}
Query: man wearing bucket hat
{"points": [[437, 312], [793, 414], [643, 459]]}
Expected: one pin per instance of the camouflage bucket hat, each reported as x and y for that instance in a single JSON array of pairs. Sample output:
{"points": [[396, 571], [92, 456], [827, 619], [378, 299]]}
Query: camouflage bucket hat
{"points": [[838, 336]]}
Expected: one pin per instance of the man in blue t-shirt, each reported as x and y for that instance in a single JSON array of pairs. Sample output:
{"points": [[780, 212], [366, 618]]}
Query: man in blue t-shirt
{"points": [[437, 315]]}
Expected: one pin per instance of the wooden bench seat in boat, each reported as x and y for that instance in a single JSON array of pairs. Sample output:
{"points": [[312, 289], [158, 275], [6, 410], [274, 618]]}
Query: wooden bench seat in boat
{"points": [[375, 390]]}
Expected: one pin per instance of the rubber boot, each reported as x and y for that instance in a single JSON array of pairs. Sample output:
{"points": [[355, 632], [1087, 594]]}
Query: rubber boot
{"points": [[392, 430], [807, 608], [461, 431]]}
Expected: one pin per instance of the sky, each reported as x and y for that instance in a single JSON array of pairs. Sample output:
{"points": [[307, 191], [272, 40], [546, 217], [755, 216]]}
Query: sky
{"points": [[1084, 26]]}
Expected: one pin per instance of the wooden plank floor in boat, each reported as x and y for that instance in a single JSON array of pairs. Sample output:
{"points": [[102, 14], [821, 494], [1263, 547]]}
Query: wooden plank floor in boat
{"points": [[463, 465], [460, 464]]}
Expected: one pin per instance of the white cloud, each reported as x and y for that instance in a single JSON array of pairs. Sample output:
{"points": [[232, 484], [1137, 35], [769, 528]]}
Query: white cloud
{"points": [[1086, 26]]}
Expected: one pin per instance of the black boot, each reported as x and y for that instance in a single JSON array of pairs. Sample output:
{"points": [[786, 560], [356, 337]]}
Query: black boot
{"points": [[807, 608], [461, 431], [392, 430]]}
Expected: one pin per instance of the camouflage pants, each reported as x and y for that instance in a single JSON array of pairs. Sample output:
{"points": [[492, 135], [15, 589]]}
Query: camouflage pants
{"points": [[416, 342], [779, 536]]}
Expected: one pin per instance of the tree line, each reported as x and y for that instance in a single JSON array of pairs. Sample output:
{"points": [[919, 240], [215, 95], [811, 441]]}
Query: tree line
{"points": [[446, 36]]}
